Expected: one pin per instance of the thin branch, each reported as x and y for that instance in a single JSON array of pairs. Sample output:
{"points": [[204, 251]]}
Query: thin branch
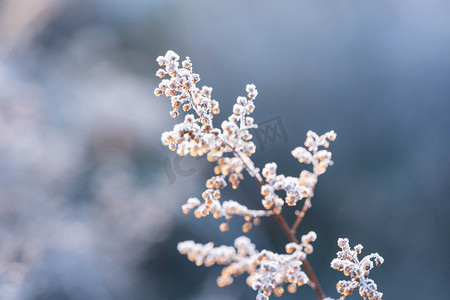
{"points": [[301, 214], [251, 169], [306, 266]]}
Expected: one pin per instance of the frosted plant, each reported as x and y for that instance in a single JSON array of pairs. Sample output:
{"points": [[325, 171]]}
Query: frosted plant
{"points": [[231, 148]]}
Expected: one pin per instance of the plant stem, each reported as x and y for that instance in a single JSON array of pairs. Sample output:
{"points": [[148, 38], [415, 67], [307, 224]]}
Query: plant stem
{"points": [[306, 266], [314, 282], [301, 214]]}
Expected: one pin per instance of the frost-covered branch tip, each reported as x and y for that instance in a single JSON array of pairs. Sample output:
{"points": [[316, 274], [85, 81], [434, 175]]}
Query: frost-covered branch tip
{"points": [[347, 261], [267, 271]]}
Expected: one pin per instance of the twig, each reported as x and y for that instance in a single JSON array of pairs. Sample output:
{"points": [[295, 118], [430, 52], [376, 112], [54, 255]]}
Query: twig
{"points": [[306, 266], [301, 214]]}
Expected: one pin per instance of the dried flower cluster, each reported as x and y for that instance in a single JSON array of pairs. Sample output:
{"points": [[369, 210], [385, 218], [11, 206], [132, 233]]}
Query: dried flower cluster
{"points": [[227, 209], [347, 261], [268, 271], [297, 188], [198, 136], [230, 146]]}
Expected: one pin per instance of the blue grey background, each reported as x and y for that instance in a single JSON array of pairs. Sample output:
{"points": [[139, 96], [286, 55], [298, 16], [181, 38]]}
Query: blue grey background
{"points": [[89, 210]]}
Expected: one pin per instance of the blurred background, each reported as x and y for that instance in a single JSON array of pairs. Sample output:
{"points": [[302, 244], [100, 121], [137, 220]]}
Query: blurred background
{"points": [[90, 199]]}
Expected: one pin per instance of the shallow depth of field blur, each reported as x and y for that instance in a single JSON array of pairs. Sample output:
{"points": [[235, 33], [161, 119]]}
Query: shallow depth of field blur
{"points": [[90, 199]]}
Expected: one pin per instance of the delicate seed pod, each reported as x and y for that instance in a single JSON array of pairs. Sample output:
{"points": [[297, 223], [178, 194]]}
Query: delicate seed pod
{"points": [[158, 92], [378, 260], [224, 281], [209, 184], [187, 106], [292, 288], [216, 194], [186, 209], [174, 114], [256, 285], [197, 214], [278, 291], [217, 170], [308, 249], [224, 227], [247, 226]]}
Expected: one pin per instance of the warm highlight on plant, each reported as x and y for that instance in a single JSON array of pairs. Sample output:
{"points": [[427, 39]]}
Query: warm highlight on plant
{"points": [[231, 148]]}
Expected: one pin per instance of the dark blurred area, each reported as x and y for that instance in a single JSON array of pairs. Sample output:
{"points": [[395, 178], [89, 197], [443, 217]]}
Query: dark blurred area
{"points": [[90, 199]]}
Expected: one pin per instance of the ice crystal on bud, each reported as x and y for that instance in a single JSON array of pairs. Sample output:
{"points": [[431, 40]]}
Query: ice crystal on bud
{"points": [[347, 261], [267, 271]]}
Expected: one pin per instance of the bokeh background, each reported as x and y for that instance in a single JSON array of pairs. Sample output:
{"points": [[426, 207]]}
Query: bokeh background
{"points": [[90, 199]]}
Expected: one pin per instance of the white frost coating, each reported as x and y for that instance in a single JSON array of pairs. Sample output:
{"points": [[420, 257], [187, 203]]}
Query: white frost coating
{"points": [[347, 261], [267, 271]]}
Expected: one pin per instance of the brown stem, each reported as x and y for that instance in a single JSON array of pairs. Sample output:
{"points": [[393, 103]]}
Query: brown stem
{"points": [[301, 214], [306, 266], [314, 282]]}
